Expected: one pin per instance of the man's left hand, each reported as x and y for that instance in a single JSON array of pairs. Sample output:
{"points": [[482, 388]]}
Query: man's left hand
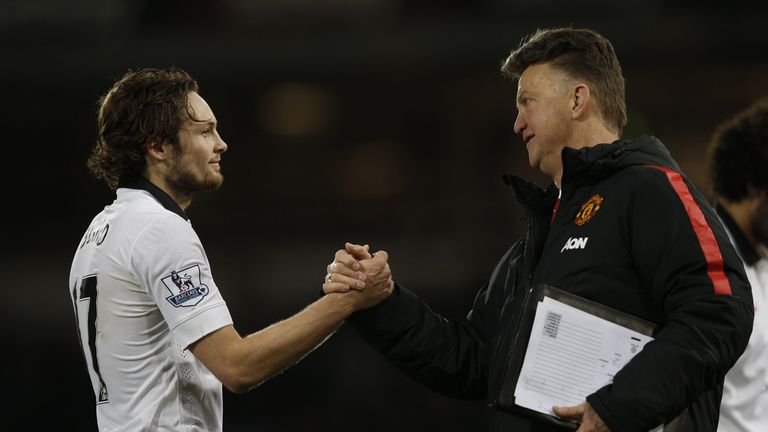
{"points": [[584, 414]]}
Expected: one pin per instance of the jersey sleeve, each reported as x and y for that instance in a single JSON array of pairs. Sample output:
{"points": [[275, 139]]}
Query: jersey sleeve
{"points": [[169, 260], [698, 284]]}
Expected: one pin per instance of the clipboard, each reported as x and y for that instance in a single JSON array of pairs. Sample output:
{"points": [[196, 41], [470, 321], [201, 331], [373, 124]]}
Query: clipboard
{"points": [[534, 297]]}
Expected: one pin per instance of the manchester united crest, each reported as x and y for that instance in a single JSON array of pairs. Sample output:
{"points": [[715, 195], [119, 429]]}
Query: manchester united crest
{"points": [[588, 210]]}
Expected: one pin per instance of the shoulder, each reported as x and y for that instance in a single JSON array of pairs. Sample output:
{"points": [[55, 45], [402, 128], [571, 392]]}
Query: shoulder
{"points": [[651, 182], [654, 194], [165, 228], [166, 241], [643, 175], [151, 226]]}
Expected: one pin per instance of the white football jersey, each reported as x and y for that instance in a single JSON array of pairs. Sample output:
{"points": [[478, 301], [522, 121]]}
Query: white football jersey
{"points": [[744, 406], [745, 393], [143, 292]]}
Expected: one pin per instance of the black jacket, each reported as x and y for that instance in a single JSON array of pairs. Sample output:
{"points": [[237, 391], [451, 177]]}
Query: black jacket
{"points": [[648, 243]]}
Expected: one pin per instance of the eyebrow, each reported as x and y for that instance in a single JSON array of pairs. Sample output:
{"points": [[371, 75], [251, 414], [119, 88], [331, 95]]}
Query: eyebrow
{"points": [[205, 123], [521, 95]]}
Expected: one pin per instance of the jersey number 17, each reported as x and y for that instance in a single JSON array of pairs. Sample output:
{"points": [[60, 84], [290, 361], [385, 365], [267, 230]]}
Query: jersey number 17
{"points": [[88, 293]]}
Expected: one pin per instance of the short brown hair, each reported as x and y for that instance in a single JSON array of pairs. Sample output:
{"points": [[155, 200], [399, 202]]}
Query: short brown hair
{"points": [[583, 54], [738, 153], [144, 105]]}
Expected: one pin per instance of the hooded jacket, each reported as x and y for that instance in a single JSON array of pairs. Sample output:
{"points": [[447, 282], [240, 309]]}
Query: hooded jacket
{"points": [[632, 233]]}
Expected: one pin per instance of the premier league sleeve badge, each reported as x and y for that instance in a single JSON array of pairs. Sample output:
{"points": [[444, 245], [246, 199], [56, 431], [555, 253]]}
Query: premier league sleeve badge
{"points": [[186, 287]]}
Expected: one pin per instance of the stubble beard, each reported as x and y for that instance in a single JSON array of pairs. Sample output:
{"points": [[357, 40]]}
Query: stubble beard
{"points": [[186, 181]]}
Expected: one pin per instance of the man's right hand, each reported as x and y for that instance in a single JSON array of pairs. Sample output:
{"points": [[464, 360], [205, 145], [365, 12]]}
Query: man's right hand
{"points": [[355, 264]]}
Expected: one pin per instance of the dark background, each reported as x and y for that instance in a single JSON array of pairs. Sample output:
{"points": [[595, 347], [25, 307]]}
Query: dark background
{"points": [[377, 121]]}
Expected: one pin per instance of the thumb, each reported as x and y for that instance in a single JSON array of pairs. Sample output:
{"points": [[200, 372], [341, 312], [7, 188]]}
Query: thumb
{"points": [[357, 251], [574, 412], [381, 256]]}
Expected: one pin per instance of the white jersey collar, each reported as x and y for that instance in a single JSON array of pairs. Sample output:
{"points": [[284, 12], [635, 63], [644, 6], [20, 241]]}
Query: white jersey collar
{"points": [[163, 198]]}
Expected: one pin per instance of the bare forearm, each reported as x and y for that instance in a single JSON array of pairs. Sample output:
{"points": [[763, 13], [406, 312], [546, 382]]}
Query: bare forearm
{"points": [[243, 363], [275, 348]]}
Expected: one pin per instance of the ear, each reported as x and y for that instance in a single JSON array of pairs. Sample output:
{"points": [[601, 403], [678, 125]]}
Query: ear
{"points": [[156, 150], [580, 101]]}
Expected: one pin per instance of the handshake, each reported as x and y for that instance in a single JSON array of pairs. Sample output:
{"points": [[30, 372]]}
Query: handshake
{"points": [[363, 278]]}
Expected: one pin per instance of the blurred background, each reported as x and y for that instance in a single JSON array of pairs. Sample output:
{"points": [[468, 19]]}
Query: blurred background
{"points": [[378, 121]]}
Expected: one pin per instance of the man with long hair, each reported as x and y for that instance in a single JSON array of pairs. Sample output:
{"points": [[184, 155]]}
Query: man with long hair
{"points": [[156, 333]]}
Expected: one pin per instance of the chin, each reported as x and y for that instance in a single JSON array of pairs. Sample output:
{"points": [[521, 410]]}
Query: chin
{"points": [[211, 183], [215, 184]]}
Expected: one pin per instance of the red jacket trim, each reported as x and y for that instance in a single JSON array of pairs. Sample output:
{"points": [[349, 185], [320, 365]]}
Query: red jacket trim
{"points": [[703, 231]]}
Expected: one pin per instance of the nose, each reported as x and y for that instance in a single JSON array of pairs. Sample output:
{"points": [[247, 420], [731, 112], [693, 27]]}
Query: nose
{"points": [[520, 124], [221, 146]]}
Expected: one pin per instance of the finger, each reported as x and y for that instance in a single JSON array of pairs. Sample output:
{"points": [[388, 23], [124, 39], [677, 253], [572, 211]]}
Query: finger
{"points": [[344, 258], [338, 268], [385, 272], [334, 287], [359, 252], [345, 280]]}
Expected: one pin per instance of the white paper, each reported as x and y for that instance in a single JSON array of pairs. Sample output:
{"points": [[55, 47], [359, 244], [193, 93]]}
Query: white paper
{"points": [[570, 355]]}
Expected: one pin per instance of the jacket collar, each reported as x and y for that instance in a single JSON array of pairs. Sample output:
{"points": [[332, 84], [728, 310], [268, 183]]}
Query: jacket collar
{"points": [[591, 164], [597, 162], [745, 249], [535, 199], [163, 198]]}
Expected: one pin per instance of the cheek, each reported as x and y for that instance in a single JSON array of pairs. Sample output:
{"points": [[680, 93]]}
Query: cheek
{"points": [[197, 152], [557, 121]]}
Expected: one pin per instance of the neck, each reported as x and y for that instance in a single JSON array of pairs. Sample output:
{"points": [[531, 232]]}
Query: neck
{"points": [[183, 198]]}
